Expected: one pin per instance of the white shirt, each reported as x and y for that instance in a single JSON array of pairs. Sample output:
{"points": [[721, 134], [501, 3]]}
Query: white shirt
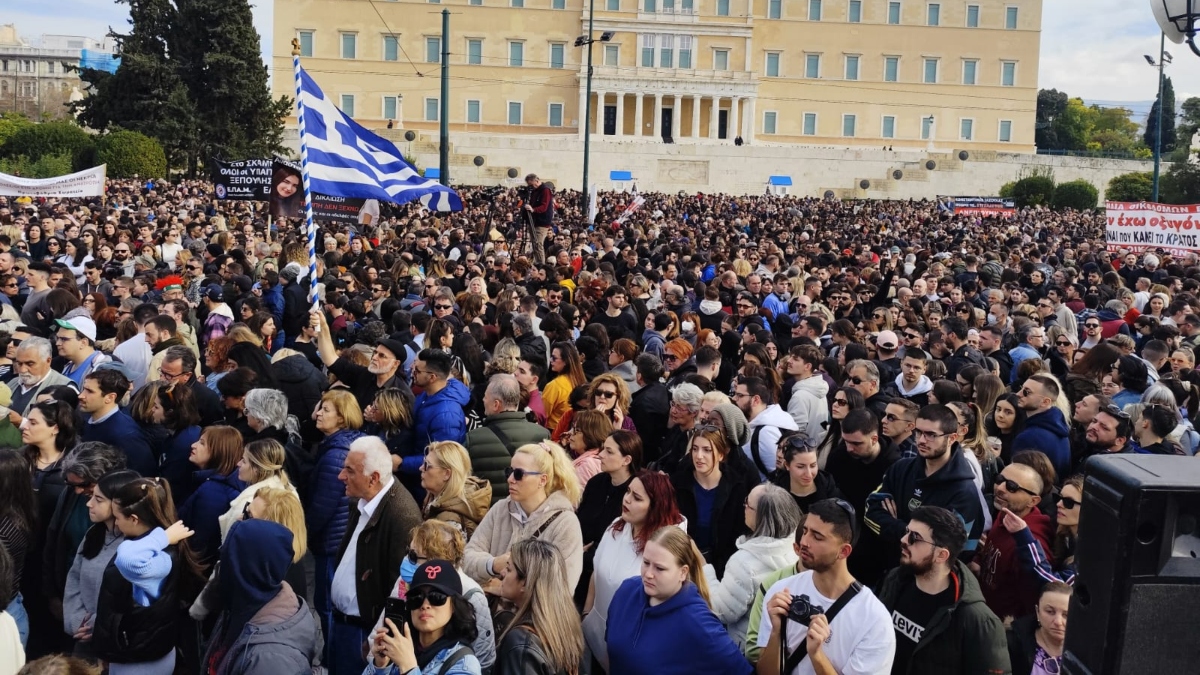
{"points": [[344, 592], [861, 641]]}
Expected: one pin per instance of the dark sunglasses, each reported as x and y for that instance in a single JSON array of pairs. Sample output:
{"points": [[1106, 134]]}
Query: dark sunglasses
{"points": [[1012, 485], [442, 306], [1067, 502], [1063, 343], [416, 599], [856, 380], [1091, 325], [413, 557], [605, 394], [518, 474]]}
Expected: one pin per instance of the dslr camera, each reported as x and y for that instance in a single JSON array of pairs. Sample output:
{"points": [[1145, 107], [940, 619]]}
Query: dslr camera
{"points": [[803, 610]]}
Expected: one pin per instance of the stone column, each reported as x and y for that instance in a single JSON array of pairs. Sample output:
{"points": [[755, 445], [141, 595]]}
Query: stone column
{"points": [[677, 119], [695, 116], [732, 130], [599, 121], [583, 106], [713, 118], [752, 122], [656, 122], [620, 114], [638, 125]]}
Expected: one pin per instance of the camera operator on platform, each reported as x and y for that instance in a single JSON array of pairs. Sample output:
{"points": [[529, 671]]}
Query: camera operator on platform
{"points": [[539, 203]]}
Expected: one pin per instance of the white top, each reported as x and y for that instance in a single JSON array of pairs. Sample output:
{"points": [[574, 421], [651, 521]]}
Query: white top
{"points": [[369, 208], [344, 592], [861, 641]]}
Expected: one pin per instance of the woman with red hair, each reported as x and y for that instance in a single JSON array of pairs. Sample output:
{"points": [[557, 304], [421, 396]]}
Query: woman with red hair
{"points": [[648, 506]]}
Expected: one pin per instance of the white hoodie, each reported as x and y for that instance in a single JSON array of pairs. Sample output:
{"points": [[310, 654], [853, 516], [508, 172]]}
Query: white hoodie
{"points": [[733, 595], [809, 408], [773, 419], [924, 386]]}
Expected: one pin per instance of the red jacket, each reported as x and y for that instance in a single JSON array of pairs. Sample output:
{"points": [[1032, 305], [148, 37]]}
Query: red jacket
{"points": [[1007, 588]]}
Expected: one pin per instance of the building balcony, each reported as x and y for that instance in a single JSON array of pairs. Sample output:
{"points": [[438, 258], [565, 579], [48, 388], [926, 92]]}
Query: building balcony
{"points": [[676, 74]]}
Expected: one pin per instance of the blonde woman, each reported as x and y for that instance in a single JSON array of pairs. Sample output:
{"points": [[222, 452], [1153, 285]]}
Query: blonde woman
{"points": [[545, 635], [452, 494], [260, 467], [662, 621], [542, 495], [505, 358]]}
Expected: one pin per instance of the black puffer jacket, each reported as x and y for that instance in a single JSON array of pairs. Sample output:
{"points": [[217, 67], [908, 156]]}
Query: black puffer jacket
{"points": [[303, 385]]}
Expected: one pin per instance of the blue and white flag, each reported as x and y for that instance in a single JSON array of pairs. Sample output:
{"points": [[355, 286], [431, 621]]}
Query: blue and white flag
{"points": [[347, 160]]}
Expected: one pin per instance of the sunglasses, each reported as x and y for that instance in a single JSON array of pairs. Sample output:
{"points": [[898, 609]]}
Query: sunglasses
{"points": [[1066, 502], [1091, 325], [1063, 343], [413, 557], [416, 599], [840, 401], [606, 394], [913, 539], [519, 474], [443, 306], [856, 380], [1012, 485]]}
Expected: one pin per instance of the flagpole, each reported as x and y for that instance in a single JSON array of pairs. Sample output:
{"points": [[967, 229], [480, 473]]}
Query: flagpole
{"points": [[311, 227]]}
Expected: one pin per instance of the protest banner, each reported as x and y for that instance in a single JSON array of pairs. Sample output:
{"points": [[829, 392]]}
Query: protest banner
{"points": [[86, 183], [248, 179], [1146, 226], [277, 181], [978, 206]]}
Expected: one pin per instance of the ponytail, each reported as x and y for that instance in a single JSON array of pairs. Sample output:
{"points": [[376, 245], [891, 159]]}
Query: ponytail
{"points": [[683, 548], [553, 461]]}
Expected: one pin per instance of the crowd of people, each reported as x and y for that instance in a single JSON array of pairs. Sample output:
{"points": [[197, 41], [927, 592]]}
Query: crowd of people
{"points": [[705, 434]]}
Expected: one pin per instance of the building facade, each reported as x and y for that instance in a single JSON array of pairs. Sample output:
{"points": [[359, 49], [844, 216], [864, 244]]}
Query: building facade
{"points": [[842, 73], [34, 78]]}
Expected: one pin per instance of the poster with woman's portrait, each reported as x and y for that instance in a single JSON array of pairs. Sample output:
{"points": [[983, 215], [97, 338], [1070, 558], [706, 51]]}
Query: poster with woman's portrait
{"points": [[287, 192]]}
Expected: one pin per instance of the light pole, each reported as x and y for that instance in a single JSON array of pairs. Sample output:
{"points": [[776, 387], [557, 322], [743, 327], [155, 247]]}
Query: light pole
{"points": [[1179, 20], [587, 40], [1164, 57]]}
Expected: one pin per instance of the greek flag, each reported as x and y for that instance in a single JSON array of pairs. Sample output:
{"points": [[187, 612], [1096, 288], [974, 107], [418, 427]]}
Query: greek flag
{"points": [[346, 160]]}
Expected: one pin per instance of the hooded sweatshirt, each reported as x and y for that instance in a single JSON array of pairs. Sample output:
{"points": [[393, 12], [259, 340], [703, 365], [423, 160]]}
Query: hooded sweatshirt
{"points": [[919, 394], [1047, 431], [1007, 587], [679, 635], [733, 594], [83, 582], [808, 408], [773, 421], [466, 510], [438, 417], [951, 487]]}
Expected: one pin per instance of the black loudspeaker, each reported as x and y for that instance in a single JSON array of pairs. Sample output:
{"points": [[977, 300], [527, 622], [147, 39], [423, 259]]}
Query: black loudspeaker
{"points": [[1136, 605]]}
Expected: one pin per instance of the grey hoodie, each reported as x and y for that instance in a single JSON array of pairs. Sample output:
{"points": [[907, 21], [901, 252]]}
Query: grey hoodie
{"points": [[283, 637], [83, 583]]}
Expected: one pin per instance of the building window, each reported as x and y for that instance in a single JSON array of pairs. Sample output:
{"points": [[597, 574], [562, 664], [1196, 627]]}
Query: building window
{"points": [[516, 54], [389, 107], [613, 5], [970, 69], [647, 51], [50, 67], [348, 104], [769, 118], [434, 2], [612, 55], [966, 129], [934, 14], [722, 7], [848, 123], [772, 67], [306, 44], [477, 3], [889, 126], [474, 112], [972, 16], [431, 110], [894, 13], [650, 6], [774, 9], [931, 68], [1010, 18], [666, 51], [349, 45], [517, 3], [1005, 131], [391, 48], [475, 52], [810, 124], [685, 52], [812, 66], [814, 10], [1008, 73], [854, 12], [851, 67], [926, 128], [721, 59], [558, 4], [891, 68], [514, 112], [557, 50], [556, 114], [433, 49]]}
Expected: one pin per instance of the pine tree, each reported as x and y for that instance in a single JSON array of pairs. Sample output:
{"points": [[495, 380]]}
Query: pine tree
{"points": [[1168, 119]]}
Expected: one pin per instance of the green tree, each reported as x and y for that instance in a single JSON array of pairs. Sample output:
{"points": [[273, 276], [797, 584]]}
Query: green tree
{"points": [[1051, 103], [1074, 126], [1033, 191], [1168, 119], [11, 123], [129, 154], [1076, 194], [59, 137], [1180, 184], [1131, 187]]}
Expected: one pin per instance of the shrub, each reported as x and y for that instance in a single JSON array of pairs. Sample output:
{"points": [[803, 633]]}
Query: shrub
{"points": [[1033, 191], [1131, 187], [1006, 190], [1077, 194], [46, 166], [129, 154], [47, 138]]}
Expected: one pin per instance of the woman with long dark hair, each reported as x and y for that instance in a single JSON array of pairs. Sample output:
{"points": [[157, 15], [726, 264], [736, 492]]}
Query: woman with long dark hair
{"points": [[18, 528], [845, 399], [75, 256], [439, 632], [1088, 373], [566, 369], [286, 195], [216, 455], [1006, 420]]}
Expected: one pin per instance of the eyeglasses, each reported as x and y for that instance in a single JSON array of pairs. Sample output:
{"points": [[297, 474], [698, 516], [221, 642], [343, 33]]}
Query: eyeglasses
{"points": [[1091, 325], [1063, 343], [413, 557], [1012, 485], [443, 306], [889, 417], [920, 433], [856, 380], [746, 504], [913, 539], [840, 401], [519, 474], [416, 599], [604, 393]]}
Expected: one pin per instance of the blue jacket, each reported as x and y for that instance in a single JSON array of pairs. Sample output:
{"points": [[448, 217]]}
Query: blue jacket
{"points": [[328, 509], [120, 431], [173, 462], [951, 487], [207, 504], [681, 635], [441, 417], [1048, 432], [467, 665], [272, 301], [777, 305], [1022, 352]]}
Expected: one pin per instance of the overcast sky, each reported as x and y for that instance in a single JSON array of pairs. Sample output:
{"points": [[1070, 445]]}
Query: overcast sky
{"points": [[1090, 48]]}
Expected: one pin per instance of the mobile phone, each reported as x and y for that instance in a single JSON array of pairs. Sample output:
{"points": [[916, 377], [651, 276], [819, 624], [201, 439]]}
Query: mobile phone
{"points": [[397, 611]]}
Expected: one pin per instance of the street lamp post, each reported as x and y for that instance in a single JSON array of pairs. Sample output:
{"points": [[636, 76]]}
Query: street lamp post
{"points": [[581, 41], [1179, 20], [1163, 58]]}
